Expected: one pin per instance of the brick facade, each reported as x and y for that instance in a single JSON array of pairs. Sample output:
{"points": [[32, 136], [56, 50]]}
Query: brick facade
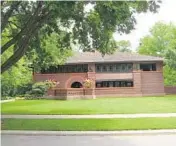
{"points": [[145, 83]]}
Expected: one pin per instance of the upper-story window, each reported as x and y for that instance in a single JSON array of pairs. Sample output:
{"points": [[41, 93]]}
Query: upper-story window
{"points": [[114, 67], [148, 67], [66, 69]]}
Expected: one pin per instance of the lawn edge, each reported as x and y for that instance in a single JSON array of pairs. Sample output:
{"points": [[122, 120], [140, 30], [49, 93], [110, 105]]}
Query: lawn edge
{"points": [[89, 133]]}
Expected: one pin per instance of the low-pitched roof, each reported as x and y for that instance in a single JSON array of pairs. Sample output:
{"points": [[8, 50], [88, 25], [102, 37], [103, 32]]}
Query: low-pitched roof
{"points": [[90, 57]]}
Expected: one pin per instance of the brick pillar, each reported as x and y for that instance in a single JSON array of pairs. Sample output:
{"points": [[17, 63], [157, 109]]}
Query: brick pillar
{"points": [[90, 93], [137, 82], [91, 73]]}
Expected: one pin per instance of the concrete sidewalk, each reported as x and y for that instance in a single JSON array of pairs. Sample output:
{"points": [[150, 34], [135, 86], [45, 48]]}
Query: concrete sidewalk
{"points": [[90, 133], [89, 116]]}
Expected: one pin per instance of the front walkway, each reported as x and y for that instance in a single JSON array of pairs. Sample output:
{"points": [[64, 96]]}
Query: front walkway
{"points": [[89, 116], [90, 133]]}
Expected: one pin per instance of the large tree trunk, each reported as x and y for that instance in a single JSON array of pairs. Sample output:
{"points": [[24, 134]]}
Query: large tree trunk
{"points": [[23, 43]]}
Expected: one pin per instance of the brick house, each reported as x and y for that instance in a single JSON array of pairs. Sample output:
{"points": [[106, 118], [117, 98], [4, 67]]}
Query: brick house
{"points": [[120, 74]]}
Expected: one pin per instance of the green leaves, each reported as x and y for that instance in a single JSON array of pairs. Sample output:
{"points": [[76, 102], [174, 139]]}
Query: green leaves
{"points": [[39, 20], [162, 42], [123, 46]]}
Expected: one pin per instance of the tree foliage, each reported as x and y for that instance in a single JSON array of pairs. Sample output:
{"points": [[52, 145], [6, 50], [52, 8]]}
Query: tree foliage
{"points": [[30, 23], [162, 42], [123, 46]]}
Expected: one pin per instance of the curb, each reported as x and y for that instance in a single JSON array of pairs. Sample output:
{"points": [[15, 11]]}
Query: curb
{"points": [[90, 133]]}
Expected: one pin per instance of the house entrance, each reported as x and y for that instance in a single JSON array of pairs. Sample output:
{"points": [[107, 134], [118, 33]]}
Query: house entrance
{"points": [[76, 85]]}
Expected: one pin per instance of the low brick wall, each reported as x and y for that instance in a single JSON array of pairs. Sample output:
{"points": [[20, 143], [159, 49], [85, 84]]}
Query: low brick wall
{"points": [[170, 89], [71, 93]]}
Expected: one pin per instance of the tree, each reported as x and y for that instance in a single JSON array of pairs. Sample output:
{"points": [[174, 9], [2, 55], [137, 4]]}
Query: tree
{"points": [[28, 20], [162, 42], [15, 79], [169, 76], [124, 46]]}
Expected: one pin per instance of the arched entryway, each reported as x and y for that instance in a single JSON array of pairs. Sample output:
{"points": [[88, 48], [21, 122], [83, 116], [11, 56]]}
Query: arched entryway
{"points": [[76, 85]]}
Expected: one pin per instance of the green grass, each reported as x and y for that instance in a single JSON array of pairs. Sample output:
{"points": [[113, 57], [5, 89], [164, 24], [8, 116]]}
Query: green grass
{"points": [[107, 105], [89, 124]]}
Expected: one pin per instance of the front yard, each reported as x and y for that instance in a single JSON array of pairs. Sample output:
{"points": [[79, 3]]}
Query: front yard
{"points": [[89, 124], [107, 105]]}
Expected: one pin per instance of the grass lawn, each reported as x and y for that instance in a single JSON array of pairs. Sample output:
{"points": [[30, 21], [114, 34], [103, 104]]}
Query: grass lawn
{"points": [[88, 124], [107, 105]]}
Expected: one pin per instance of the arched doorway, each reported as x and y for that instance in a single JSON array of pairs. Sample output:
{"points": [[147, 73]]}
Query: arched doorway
{"points": [[76, 85]]}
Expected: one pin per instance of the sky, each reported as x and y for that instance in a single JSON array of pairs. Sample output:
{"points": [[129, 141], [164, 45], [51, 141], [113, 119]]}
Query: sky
{"points": [[166, 14]]}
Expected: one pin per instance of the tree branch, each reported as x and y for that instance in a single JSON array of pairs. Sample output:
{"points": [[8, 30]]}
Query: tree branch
{"points": [[31, 21], [8, 14]]}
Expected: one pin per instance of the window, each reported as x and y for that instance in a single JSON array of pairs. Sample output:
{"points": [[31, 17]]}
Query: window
{"points": [[85, 68], [104, 68], [129, 84], [111, 84], [111, 68], [98, 84], [122, 84], [98, 69], [148, 67], [114, 83], [118, 68], [129, 67], [105, 84], [123, 68]]}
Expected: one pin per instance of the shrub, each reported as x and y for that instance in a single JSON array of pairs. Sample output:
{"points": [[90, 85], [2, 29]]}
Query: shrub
{"points": [[88, 83], [39, 89]]}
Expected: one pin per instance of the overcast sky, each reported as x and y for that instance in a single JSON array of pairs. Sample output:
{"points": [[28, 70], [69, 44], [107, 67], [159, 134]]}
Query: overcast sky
{"points": [[167, 14]]}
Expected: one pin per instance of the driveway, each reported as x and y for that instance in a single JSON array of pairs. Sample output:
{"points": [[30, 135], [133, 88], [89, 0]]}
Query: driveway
{"points": [[147, 140]]}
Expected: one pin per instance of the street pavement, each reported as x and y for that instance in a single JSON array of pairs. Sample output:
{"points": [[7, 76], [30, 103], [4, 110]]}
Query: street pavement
{"points": [[147, 140]]}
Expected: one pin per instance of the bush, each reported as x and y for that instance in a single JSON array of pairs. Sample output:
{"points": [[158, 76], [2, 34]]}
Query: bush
{"points": [[39, 89]]}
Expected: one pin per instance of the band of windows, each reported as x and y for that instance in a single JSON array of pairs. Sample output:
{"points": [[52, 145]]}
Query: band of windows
{"points": [[81, 68], [103, 68], [122, 83], [114, 67]]}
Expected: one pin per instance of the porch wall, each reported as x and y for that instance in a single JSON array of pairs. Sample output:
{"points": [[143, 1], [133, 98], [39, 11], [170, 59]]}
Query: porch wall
{"points": [[70, 93], [170, 89]]}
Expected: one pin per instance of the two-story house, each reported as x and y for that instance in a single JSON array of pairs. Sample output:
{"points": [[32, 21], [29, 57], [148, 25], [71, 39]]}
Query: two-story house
{"points": [[120, 74]]}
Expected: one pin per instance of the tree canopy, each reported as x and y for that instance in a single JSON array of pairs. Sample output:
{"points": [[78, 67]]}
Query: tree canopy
{"points": [[162, 42], [29, 26]]}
